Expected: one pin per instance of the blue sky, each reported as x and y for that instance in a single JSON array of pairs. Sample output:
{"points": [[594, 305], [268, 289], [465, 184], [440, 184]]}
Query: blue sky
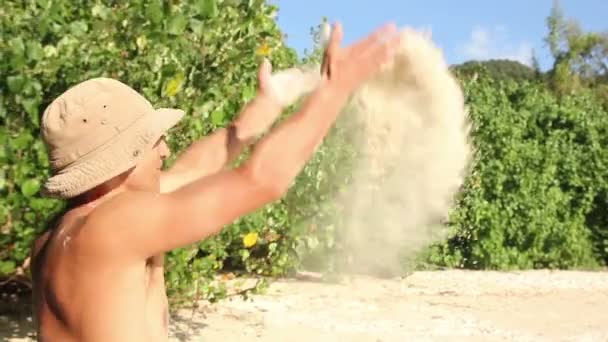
{"points": [[465, 29]]}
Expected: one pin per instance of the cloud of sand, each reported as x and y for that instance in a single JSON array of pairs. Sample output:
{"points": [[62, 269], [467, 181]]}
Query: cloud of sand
{"points": [[409, 126], [415, 152]]}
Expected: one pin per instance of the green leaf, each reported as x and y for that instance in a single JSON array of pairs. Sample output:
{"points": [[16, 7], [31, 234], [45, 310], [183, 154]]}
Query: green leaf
{"points": [[154, 11], [15, 83], [248, 94], [4, 212], [17, 46], [30, 187], [217, 117], [244, 254], [34, 51], [2, 109], [100, 11], [42, 26], [21, 141], [197, 26], [79, 28], [198, 126], [31, 108], [207, 8], [30, 217], [177, 24], [7, 267]]}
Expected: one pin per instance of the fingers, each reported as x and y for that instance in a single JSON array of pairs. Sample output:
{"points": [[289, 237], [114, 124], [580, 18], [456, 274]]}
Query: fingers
{"points": [[335, 38], [361, 60], [373, 39], [385, 52], [333, 48], [264, 74], [324, 34], [380, 55]]}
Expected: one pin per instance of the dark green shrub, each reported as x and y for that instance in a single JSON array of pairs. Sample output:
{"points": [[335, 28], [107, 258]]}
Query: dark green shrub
{"points": [[201, 56], [537, 195]]}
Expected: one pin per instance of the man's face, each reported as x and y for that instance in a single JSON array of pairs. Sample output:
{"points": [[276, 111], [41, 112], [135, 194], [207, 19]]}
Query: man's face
{"points": [[146, 174]]}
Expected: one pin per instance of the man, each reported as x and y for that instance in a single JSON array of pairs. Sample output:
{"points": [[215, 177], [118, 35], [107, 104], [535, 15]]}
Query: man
{"points": [[98, 272]]}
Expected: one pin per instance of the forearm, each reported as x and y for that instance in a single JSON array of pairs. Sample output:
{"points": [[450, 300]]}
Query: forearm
{"points": [[273, 165], [280, 156], [214, 152], [204, 157], [202, 207]]}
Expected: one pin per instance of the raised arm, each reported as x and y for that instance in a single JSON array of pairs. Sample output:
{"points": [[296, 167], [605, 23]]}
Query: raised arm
{"points": [[201, 208], [216, 151]]}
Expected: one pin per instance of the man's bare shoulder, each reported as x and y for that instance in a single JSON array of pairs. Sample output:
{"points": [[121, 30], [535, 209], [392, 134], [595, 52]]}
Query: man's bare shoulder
{"points": [[130, 207], [119, 221], [54, 225], [63, 222]]}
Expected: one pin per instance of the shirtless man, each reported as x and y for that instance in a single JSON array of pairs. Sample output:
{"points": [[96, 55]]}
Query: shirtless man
{"points": [[98, 270]]}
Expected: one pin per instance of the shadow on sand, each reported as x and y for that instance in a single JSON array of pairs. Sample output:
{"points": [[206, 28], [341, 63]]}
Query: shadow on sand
{"points": [[16, 322], [183, 326]]}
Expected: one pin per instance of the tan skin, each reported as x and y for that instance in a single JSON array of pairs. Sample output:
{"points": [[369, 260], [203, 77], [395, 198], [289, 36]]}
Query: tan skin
{"points": [[98, 275]]}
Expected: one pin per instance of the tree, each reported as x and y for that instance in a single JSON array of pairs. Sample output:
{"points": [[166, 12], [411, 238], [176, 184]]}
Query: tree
{"points": [[580, 58], [315, 54]]}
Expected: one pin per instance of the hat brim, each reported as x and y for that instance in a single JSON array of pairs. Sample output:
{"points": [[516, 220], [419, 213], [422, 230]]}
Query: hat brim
{"points": [[114, 158]]}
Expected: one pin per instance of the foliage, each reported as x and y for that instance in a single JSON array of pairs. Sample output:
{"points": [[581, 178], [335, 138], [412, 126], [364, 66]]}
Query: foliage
{"points": [[315, 54], [537, 195], [580, 58], [201, 56]]}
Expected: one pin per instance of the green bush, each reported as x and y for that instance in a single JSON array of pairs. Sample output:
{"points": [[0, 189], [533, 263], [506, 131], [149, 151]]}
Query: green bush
{"points": [[537, 196], [201, 56]]}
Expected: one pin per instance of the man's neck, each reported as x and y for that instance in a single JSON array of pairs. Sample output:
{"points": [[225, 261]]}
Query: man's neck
{"points": [[96, 196]]}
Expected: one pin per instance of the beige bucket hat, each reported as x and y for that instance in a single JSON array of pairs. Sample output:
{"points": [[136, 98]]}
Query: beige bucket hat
{"points": [[97, 130]]}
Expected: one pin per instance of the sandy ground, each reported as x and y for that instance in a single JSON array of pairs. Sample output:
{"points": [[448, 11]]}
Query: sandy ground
{"points": [[426, 306]]}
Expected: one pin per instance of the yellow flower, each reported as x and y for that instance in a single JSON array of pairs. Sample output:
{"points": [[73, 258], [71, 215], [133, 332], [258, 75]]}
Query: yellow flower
{"points": [[141, 42], [174, 85], [250, 240], [263, 50]]}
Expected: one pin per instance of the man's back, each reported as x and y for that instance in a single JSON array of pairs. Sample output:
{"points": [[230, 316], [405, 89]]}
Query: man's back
{"points": [[83, 293]]}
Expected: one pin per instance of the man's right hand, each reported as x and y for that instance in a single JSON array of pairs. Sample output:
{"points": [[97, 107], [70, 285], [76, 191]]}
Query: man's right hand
{"points": [[344, 69]]}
